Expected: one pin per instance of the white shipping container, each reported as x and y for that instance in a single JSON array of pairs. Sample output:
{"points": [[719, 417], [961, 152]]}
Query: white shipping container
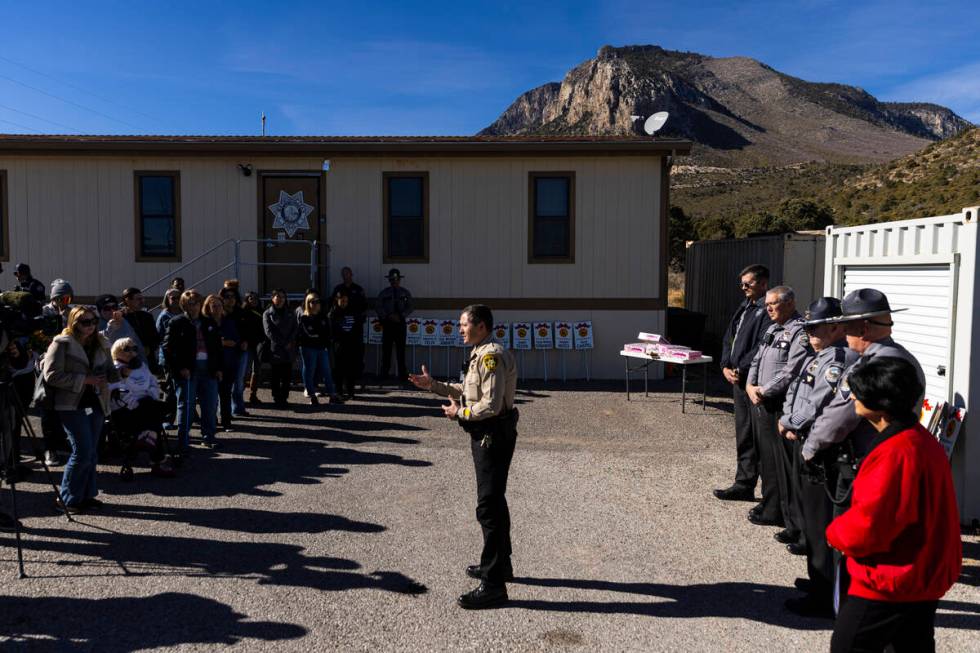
{"points": [[928, 266]]}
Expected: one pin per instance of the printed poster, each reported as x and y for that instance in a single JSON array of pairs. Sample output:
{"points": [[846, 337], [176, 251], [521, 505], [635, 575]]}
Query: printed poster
{"points": [[583, 335], [447, 333], [563, 335], [522, 335], [413, 331], [951, 431], [374, 331], [501, 334], [430, 332], [543, 336]]}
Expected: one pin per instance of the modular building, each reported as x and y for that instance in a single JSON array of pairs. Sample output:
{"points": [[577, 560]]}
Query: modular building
{"points": [[929, 267], [712, 268], [541, 229]]}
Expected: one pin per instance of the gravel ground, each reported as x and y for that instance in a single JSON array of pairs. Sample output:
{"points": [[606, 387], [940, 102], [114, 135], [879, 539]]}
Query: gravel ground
{"points": [[348, 528]]}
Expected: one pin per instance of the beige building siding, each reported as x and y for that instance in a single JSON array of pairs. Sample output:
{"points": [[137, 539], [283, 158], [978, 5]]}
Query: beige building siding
{"points": [[478, 227], [74, 217]]}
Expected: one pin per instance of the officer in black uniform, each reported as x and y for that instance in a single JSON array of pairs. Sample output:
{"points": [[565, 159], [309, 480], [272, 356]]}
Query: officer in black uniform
{"points": [[808, 395], [738, 347]]}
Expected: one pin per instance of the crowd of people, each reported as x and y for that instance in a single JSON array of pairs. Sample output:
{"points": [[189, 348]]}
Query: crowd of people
{"points": [[113, 372], [827, 417]]}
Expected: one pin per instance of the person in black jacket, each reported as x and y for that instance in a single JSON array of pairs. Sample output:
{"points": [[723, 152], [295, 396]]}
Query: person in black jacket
{"points": [[27, 283], [280, 326], [143, 324], [314, 349], [251, 367], [192, 349], [249, 327], [738, 347], [347, 327]]}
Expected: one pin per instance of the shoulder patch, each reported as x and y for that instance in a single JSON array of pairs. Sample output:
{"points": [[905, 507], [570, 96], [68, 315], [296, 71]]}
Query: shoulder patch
{"points": [[804, 339], [832, 375], [489, 362]]}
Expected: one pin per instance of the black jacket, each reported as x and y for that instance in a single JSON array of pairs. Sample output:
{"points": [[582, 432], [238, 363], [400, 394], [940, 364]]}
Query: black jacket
{"points": [[180, 345], [146, 329], [347, 327], [738, 351], [356, 299], [314, 331], [249, 326], [280, 328]]}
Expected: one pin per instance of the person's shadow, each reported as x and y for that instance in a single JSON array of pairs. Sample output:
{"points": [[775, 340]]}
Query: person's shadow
{"points": [[124, 624], [736, 600]]}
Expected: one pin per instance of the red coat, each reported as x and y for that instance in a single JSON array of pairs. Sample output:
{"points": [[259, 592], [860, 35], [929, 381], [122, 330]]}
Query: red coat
{"points": [[901, 535]]}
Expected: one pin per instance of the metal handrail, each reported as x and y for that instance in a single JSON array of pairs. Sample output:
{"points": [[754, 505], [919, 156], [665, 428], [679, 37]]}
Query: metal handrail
{"points": [[194, 260]]}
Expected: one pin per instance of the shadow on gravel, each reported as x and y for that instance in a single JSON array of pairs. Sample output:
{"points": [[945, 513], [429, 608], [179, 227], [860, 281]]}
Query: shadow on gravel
{"points": [[970, 574], [244, 520], [266, 563], [127, 624], [334, 435], [762, 603]]}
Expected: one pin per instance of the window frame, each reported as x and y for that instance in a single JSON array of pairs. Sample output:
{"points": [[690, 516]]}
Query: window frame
{"points": [[4, 218], [532, 178], [385, 215], [138, 210]]}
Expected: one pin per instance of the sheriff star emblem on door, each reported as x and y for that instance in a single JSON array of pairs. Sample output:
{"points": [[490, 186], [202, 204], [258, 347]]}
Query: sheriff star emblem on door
{"points": [[291, 213]]}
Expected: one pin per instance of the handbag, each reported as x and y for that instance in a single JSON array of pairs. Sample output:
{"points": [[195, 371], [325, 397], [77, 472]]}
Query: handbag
{"points": [[43, 397]]}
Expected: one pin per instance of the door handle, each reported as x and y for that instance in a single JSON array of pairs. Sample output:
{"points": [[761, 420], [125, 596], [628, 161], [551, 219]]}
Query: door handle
{"points": [[941, 370]]}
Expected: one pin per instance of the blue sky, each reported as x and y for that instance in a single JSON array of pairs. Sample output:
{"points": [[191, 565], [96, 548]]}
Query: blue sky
{"points": [[428, 68]]}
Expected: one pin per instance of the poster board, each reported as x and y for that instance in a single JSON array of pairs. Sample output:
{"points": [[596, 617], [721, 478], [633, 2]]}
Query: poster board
{"points": [[583, 335], [413, 331], [374, 331], [447, 333], [521, 335], [501, 334], [543, 336], [563, 335], [430, 332]]}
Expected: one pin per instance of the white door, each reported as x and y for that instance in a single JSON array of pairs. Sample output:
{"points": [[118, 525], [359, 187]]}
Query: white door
{"points": [[926, 328]]}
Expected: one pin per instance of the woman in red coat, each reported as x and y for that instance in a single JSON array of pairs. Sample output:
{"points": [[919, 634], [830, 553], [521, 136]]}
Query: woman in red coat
{"points": [[901, 536]]}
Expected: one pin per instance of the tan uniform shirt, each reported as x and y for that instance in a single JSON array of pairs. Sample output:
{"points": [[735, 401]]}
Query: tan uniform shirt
{"points": [[489, 386]]}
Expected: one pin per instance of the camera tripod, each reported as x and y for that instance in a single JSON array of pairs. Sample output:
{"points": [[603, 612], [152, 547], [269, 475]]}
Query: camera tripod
{"points": [[12, 412]]}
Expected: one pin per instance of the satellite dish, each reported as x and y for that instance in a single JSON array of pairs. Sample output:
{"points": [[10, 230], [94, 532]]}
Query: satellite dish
{"points": [[655, 122]]}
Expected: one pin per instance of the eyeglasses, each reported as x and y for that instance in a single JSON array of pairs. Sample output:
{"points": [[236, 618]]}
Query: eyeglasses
{"points": [[314, 301], [87, 323], [131, 350], [110, 307]]}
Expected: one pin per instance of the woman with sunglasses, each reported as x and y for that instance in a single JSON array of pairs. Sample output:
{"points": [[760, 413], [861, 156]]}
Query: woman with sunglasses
{"points": [[231, 347], [136, 405], [77, 369], [314, 350]]}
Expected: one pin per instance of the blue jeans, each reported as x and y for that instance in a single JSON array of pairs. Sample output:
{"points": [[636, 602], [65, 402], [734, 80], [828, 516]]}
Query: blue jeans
{"points": [[316, 369], [78, 483], [238, 390], [201, 388]]}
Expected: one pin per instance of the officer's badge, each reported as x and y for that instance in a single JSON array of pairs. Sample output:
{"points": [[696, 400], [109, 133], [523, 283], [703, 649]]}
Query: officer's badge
{"points": [[844, 387], [804, 340], [812, 368], [833, 374], [490, 362]]}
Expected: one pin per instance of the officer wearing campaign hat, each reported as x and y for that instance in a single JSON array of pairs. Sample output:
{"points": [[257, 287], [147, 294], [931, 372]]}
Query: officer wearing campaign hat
{"points": [[808, 395], [839, 432], [394, 304]]}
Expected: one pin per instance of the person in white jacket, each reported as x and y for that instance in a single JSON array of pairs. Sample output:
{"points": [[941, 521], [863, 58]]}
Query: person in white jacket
{"points": [[137, 407]]}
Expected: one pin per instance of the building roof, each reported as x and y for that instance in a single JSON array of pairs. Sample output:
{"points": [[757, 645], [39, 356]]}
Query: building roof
{"points": [[335, 146]]}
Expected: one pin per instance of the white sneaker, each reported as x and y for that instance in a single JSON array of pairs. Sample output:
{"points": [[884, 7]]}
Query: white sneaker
{"points": [[306, 393], [52, 459]]}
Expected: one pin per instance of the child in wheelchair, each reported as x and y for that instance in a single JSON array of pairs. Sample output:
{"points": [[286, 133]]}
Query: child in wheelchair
{"points": [[136, 420]]}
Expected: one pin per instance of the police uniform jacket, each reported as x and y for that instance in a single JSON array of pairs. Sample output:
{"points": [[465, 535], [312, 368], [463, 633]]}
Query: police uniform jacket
{"points": [[779, 358], [741, 339], [394, 300], [489, 386], [814, 387], [839, 420]]}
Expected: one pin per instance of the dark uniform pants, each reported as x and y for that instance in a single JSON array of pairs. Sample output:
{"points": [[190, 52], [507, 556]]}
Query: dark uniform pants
{"points": [[817, 511], [865, 625], [747, 455], [764, 421], [787, 471], [842, 502], [492, 464], [393, 333]]}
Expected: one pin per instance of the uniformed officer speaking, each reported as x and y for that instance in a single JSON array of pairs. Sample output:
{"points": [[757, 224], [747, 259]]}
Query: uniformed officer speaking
{"points": [[814, 387], [486, 412], [776, 363]]}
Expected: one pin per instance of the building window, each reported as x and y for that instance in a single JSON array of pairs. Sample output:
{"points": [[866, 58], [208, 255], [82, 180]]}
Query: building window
{"points": [[406, 217], [157, 216], [551, 217], [4, 218]]}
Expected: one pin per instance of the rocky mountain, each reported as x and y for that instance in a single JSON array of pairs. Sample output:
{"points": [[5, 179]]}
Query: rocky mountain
{"points": [[738, 111]]}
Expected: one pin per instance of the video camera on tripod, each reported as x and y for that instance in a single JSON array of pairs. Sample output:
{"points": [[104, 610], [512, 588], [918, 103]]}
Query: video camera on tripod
{"points": [[21, 316]]}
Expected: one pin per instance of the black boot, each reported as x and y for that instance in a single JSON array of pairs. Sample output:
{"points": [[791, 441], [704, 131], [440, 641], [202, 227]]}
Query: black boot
{"points": [[484, 596]]}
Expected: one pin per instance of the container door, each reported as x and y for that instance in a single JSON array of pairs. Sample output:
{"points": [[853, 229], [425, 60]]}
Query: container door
{"points": [[926, 329], [291, 218]]}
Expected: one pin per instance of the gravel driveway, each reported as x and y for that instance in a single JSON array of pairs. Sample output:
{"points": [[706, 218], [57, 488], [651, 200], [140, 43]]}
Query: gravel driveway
{"points": [[348, 528]]}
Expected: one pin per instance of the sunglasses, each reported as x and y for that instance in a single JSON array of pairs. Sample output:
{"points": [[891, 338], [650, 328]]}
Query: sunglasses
{"points": [[747, 285], [110, 307], [314, 301], [131, 350], [87, 323]]}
